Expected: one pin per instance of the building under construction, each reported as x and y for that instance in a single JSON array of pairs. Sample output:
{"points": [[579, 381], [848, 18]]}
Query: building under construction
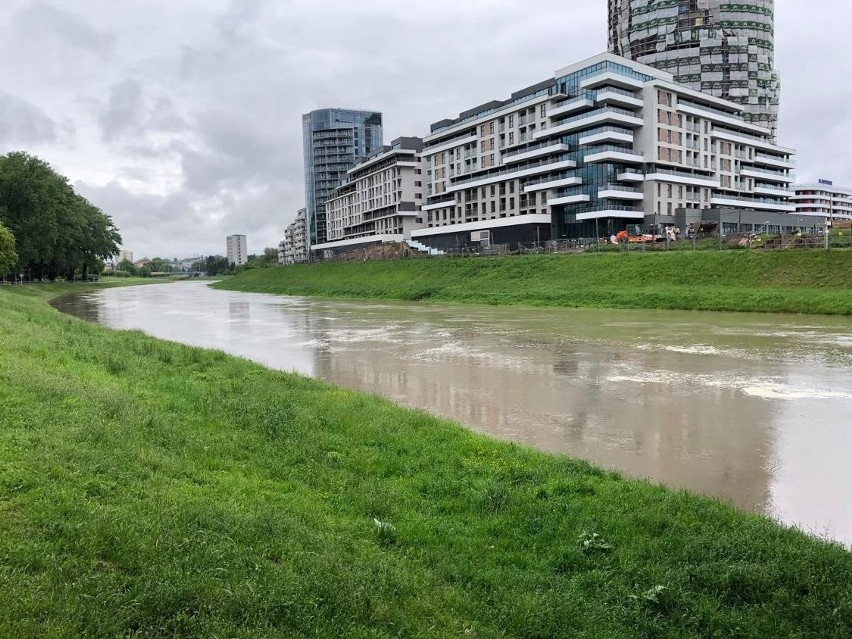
{"points": [[722, 48]]}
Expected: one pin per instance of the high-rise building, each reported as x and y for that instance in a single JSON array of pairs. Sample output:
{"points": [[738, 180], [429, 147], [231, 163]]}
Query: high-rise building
{"points": [[237, 249], [124, 256], [721, 48], [334, 141]]}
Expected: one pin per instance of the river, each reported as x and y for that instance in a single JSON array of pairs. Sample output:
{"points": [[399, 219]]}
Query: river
{"points": [[754, 409]]}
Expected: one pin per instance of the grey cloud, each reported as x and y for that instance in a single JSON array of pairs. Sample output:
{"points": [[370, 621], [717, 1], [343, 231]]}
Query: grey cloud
{"points": [[24, 123], [41, 21], [129, 113]]}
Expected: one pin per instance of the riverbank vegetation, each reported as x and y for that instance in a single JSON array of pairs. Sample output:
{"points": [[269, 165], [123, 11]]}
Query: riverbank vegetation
{"points": [[155, 490], [57, 232], [817, 282]]}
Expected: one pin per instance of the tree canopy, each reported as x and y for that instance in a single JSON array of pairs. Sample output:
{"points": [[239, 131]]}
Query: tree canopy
{"points": [[8, 256], [57, 231]]}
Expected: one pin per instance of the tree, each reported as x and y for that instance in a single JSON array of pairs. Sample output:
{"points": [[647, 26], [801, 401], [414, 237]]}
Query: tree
{"points": [[214, 265], [57, 231], [8, 255]]}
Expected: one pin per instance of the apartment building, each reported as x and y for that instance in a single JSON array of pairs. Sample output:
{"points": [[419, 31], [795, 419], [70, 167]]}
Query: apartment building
{"points": [[335, 140], [721, 48], [823, 199], [237, 249], [602, 144], [380, 199], [294, 248]]}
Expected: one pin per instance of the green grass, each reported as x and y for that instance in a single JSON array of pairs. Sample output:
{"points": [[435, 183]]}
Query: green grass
{"points": [[757, 281], [149, 489]]}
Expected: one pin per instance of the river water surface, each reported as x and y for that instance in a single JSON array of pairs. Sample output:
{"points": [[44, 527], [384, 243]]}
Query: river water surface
{"points": [[755, 409]]}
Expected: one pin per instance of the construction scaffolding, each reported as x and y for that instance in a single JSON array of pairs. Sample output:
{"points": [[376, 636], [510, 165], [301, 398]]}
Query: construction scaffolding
{"points": [[714, 46]]}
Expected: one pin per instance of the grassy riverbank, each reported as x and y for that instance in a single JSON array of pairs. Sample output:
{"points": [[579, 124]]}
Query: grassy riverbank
{"points": [[761, 281], [154, 490]]}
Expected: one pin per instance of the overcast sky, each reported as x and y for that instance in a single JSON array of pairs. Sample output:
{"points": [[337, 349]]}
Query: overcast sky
{"points": [[182, 118]]}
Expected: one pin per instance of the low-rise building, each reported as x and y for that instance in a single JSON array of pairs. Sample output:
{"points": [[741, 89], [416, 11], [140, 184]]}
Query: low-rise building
{"points": [[601, 145], [823, 199], [294, 248], [379, 201]]}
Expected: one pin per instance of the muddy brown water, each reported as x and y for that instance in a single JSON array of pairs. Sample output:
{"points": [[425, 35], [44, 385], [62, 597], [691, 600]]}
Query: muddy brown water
{"points": [[754, 409]]}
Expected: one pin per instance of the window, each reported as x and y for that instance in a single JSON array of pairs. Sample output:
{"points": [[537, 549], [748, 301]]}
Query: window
{"points": [[543, 110]]}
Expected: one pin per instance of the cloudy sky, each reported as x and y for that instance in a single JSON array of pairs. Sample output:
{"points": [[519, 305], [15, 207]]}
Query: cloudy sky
{"points": [[182, 118]]}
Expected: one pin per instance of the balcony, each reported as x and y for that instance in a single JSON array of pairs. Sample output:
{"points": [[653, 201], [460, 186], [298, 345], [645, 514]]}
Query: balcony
{"points": [[606, 115], [571, 106], [773, 160], [612, 210], [747, 203], [631, 176], [547, 148], [606, 134], [620, 192], [774, 191], [545, 184], [610, 78], [612, 154], [545, 166], [750, 140], [768, 176], [681, 177], [577, 198], [611, 95]]}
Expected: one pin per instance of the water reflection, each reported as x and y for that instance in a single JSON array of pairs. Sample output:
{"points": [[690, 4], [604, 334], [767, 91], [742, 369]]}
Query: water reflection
{"points": [[753, 409]]}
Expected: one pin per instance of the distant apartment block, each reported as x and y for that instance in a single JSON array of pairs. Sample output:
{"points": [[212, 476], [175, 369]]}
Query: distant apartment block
{"points": [[124, 256], [237, 249], [602, 144], [294, 248], [721, 48], [379, 200], [823, 199], [335, 140]]}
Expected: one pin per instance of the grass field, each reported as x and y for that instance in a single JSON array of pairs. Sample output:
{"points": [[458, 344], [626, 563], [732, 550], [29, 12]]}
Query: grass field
{"points": [[149, 489], [816, 282]]}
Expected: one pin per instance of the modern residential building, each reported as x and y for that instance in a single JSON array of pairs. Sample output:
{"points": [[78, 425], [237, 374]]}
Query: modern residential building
{"points": [[237, 249], [721, 48], [380, 199], [334, 141], [602, 144], [124, 256], [823, 199], [294, 248]]}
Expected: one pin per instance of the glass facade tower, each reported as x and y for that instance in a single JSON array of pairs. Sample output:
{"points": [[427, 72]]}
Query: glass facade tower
{"points": [[335, 140], [714, 46]]}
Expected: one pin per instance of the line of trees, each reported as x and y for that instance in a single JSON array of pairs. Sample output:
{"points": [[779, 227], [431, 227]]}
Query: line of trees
{"points": [[55, 231]]}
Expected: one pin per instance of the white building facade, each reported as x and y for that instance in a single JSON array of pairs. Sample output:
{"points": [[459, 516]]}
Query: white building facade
{"points": [[605, 143], [237, 249], [823, 199], [294, 248], [379, 201]]}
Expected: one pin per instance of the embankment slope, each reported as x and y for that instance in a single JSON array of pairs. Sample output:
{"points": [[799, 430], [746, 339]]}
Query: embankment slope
{"points": [[816, 282]]}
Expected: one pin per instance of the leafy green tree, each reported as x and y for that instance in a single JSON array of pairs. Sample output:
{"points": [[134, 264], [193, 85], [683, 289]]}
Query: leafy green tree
{"points": [[8, 255], [57, 231], [126, 266], [214, 265]]}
